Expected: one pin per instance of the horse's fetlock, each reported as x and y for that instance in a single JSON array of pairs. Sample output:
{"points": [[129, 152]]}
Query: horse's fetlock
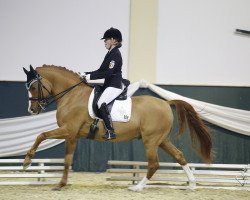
{"points": [[180, 158], [63, 183]]}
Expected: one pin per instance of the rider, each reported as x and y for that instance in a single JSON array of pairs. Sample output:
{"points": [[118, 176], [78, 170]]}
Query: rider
{"points": [[111, 71]]}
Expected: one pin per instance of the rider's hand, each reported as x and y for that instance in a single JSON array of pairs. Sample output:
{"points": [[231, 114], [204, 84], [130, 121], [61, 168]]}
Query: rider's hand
{"points": [[87, 77], [82, 74]]}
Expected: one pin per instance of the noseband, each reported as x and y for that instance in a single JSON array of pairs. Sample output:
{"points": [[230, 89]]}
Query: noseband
{"points": [[43, 102]]}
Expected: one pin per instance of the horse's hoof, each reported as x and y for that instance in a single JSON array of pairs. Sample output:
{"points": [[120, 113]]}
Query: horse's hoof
{"points": [[192, 186], [57, 188], [135, 188]]}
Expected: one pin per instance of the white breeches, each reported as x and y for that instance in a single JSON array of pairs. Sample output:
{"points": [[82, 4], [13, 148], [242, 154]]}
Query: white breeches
{"points": [[108, 95]]}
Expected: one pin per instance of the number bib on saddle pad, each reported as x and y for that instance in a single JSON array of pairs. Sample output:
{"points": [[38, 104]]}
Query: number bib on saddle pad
{"points": [[120, 112]]}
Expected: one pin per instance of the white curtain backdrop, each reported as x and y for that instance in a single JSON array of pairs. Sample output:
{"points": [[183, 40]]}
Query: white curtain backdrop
{"points": [[18, 134]]}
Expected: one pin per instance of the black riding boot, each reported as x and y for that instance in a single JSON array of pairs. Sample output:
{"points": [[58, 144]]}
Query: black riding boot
{"points": [[110, 133]]}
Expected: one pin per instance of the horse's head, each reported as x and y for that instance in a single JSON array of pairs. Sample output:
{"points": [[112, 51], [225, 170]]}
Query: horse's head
{"points": [[39, 90]]}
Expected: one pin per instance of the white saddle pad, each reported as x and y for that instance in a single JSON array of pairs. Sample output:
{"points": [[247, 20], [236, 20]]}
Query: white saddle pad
{"points": [[121, 110]]}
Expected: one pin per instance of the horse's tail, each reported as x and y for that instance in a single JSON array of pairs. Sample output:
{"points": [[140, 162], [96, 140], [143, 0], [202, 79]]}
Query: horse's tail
{"points": [[197, 128]]}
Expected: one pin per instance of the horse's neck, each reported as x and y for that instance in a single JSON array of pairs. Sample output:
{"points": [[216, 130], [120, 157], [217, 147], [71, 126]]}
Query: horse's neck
{"points": [[60, 82]]}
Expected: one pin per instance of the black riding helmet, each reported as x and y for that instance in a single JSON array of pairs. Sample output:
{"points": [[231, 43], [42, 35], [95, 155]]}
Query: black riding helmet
{"points": [[112, 33]]}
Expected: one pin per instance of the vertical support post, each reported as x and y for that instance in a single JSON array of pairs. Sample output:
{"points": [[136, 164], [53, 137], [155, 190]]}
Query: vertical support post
{"points": [[143, 17], [41, 172], [248, 168], [136, 174]]}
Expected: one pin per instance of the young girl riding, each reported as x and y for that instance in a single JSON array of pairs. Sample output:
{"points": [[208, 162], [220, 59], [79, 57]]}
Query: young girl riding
{"points": [[111, 71]]}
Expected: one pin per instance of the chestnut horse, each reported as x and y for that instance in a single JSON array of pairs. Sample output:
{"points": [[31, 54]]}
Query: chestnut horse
{"points": [[151, 120]]}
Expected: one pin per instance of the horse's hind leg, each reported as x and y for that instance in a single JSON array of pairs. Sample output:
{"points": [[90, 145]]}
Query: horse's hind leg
{"points": [[179, 157], [70, 146], [153, 165], [173, 151]]}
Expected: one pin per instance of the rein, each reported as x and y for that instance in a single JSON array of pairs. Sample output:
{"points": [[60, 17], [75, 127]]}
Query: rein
{"points": [[46, 101]]}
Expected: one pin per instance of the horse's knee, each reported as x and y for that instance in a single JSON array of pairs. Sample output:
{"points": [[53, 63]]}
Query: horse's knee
{"points": [[41, 137]]}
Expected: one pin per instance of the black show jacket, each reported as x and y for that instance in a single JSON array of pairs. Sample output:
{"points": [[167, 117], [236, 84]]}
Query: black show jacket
{"points": [[110, 70]]}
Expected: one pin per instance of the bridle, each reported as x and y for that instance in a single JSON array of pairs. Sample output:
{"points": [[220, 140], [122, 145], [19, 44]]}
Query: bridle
{"points": [[43, 102]]}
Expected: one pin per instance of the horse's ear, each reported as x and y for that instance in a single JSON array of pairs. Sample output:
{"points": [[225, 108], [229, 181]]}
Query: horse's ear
{"points": [[25, 71], [31, 68]]}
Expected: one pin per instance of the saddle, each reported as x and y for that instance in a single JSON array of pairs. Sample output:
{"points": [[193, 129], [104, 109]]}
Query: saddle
{"points": [[119, 108], [98, 90]]}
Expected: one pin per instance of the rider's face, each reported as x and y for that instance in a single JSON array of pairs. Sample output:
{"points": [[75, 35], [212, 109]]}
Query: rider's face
{"points": [[109, 43]]}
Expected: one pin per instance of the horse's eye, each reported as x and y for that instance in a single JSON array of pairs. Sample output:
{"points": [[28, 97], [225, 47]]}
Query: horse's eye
{"points": [[32, 88]]}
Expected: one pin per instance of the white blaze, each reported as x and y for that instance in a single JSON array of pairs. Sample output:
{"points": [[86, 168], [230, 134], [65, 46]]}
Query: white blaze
{"points": [[29, 94]]}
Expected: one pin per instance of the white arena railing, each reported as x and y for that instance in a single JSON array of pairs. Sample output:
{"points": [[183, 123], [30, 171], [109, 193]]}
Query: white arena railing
{"points": [[216, 176], [39, 173]]}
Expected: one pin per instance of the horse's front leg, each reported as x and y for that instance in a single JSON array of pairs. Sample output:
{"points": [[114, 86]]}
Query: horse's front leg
{"points": [[70, 146], [59, 133]]}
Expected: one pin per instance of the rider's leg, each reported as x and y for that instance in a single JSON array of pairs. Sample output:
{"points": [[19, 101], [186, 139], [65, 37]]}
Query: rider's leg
{"points": [[110, 133], [108, 95]]}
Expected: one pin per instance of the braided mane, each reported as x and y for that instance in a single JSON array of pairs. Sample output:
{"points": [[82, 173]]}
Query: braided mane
{"points": [[63, 69]]}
